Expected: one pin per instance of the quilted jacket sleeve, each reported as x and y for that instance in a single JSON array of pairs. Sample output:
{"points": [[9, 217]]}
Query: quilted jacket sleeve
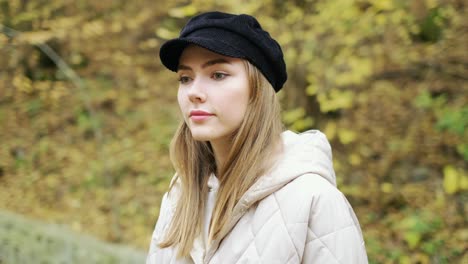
{"points": [[333, 235]]}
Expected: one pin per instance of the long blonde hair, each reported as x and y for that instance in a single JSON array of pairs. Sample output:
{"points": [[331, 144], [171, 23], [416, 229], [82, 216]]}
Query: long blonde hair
{"points": [[253, 145]]}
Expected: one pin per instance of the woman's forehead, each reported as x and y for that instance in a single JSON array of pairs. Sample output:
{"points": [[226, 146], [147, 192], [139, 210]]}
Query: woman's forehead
{"points": [[197, 54]]}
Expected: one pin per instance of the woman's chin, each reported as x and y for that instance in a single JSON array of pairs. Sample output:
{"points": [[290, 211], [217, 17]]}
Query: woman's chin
{"points": [[202, 136], [210, 133]]}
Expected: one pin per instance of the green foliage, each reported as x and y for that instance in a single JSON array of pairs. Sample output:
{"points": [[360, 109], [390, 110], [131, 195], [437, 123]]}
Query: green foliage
{"points": [[451, 117], [425, 100], [415, 226], [454, 120], [431, 27], [297, 120]]}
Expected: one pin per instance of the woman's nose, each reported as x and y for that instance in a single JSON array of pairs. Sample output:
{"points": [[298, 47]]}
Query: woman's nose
{"points": [[196, 92]]}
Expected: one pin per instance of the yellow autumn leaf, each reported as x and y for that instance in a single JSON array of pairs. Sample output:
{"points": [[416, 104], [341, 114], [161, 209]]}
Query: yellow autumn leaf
{"points": [[386, 187], [312, 89], [335, 100], [303, 124], [431, 3], [166, 33], [93, 29], [346, 136], [330, 130], [412, 238], [358, 70], [23, 84], [286, 37], [450, 179], [383, 5], [293, 115], [354, 159], [463, 182], [38, 37], [381, 19], [184, 11], [116, 26], [404, 260]]}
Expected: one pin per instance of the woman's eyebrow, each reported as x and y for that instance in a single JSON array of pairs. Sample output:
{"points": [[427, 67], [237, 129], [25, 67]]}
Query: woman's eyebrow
{"points": [[183, 67], [215, 61], [206, 64]]}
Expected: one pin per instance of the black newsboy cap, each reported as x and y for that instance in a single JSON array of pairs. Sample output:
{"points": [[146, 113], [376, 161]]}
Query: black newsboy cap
{"points": [[239, 36]]}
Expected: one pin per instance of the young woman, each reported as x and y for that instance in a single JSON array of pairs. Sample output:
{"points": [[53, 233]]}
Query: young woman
{"points": [[244, 190]]}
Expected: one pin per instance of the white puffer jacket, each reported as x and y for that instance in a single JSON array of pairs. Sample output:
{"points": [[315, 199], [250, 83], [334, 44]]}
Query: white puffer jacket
{"points": [[295, 214]]}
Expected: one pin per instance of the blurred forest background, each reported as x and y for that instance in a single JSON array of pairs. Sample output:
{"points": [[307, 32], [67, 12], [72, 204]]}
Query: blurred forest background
{"points": [[87, 113]]}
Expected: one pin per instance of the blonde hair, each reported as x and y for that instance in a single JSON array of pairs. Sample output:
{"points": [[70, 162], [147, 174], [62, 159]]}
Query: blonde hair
{"points": [[253, 145]]}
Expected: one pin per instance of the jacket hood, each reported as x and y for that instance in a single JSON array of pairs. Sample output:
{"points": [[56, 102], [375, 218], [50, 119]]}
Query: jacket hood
{"points": [[305, 153]]}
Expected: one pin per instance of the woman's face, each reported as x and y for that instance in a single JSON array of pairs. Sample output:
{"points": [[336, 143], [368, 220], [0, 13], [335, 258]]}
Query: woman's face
{"points": [[213, 93]]}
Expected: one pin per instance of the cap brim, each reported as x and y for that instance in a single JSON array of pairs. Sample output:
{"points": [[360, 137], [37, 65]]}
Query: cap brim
{"points": [[171, 51]]}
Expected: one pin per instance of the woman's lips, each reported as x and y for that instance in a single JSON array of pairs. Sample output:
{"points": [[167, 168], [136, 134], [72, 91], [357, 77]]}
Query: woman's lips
{"points": [[198, 118], [199, 115]]}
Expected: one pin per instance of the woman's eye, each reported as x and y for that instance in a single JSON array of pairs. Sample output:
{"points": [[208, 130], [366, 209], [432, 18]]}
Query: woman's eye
{"points": [[219, 75], [184, 79]]}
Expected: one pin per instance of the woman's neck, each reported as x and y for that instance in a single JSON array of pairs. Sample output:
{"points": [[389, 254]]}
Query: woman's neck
{"points": [[221, 148]]}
